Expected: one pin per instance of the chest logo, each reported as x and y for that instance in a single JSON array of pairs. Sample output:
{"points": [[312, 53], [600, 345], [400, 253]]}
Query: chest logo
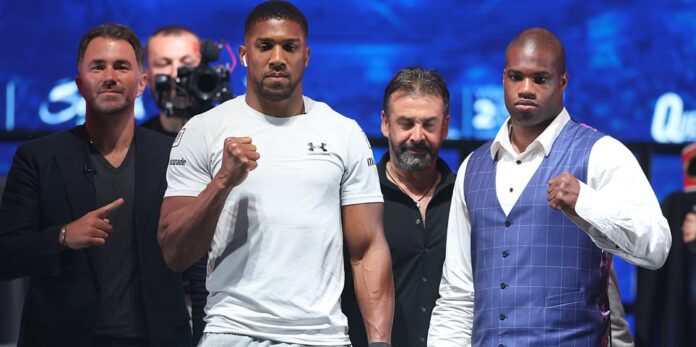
{"points": [[317, 148]]}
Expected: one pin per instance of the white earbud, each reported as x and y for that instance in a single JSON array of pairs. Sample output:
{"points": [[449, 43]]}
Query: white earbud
{"points": [[244, 60]]}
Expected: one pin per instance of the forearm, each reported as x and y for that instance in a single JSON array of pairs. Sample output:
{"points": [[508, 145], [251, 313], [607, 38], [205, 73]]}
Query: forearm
{"points": [[186, 230], [452, 319], [632, 229], [374, 288], [619, 207]]}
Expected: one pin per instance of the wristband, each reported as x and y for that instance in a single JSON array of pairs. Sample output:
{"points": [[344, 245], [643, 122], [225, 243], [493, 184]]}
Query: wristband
{"points": [[379, 344], [61, 237]]}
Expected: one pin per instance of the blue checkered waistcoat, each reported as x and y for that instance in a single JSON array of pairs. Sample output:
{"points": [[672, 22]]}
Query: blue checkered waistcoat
{"points": [[538, 278]]}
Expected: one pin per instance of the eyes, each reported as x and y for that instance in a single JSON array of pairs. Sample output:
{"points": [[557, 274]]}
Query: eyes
{"points": [[118, 66], [537, 78], [185, 61], [290, 46], [406, 123]]}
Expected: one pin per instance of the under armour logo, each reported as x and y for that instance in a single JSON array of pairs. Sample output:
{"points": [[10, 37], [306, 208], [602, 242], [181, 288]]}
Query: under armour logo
{"points": [[312, 147]]}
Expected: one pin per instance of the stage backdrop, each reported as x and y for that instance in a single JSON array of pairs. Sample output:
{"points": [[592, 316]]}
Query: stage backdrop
{"points": [[631, 64]]}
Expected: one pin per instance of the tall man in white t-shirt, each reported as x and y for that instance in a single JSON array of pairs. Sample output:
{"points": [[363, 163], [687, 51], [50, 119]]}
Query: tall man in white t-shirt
{"points": [[273, 213]]}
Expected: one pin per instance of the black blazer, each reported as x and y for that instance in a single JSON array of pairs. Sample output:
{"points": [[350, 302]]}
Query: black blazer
{"points": [[49, 185], [664, 315]]}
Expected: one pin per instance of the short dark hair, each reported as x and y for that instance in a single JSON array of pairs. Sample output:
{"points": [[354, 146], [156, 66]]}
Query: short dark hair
{"points": [[275, 9], [417, 81], [113, 31], [170, 30]]}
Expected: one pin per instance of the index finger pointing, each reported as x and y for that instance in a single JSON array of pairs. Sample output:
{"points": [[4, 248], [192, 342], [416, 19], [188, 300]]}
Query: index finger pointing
{"points": [[106, 210]]}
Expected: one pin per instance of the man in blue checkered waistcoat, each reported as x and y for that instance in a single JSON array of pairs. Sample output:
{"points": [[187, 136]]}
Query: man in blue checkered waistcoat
{"points": [[537, 214]]}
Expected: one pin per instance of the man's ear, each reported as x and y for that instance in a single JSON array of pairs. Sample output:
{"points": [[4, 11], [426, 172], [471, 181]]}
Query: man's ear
{"points": [[142, 83], [445, 127], [78, 82], [308, 51], [385, 125], [242, 55]]}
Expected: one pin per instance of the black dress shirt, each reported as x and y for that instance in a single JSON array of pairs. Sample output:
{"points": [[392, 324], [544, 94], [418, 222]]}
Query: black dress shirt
{"points": [[417, 251]]}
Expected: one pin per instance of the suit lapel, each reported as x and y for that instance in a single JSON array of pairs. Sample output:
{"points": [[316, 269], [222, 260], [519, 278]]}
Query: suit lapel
{"points": [[150, 164], [74, 166]]}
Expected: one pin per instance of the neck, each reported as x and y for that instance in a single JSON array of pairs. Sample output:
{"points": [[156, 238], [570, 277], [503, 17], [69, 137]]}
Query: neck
{"points": [[415, 182], [110, 133], [292, 106], [521, 136]]}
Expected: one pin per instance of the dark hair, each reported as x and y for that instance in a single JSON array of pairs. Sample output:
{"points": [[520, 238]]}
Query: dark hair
{"points": [[275, 9], [113, 31], [170, 30], [417, 81]]}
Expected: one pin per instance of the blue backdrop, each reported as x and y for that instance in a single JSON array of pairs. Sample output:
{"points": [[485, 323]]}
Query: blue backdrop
{"points": [[631, 65]]}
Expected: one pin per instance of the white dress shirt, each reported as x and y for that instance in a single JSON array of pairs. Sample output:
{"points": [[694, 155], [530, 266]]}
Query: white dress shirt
{"points": [[617, 208]]}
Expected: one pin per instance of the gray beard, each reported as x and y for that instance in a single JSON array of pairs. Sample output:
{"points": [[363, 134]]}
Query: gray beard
{"points": [[412, 162]]}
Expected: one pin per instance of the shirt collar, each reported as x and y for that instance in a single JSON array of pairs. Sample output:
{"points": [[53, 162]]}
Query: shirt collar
{"points": [[545, 139]]}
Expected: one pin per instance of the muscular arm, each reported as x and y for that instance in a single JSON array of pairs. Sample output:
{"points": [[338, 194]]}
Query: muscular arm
{"points": [[187, 224], [371, 263]]}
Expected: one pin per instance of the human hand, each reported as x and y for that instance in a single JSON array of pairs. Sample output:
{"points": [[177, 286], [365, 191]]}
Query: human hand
{"points": [[563, 192], [93, 228], [689, 228], [239, 156]]}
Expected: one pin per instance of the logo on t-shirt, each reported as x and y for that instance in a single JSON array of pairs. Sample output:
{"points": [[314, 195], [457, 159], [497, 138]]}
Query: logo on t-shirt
{"points": [[180, 162], [178, 137], [317, 147]]}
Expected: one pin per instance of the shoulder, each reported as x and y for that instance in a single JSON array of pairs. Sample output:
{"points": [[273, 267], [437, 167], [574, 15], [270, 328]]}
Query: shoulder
{"points": [[325, 113], [607, 144], [54, 143], [152, 138], [219, 113]]}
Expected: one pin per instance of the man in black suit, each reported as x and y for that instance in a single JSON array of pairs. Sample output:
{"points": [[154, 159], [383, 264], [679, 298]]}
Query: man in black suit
{"points": [[79, 216]]}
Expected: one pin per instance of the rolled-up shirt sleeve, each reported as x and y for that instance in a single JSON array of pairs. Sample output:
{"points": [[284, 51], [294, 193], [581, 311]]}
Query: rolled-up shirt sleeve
{"points": [[453, 315], [619, 209]]}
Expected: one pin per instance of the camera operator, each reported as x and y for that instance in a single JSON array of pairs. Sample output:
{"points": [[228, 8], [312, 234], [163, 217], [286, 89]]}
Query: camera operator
{"points": [[169, 48]]}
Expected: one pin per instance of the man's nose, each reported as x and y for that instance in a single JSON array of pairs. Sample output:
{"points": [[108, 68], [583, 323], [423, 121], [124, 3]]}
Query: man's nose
{"points": [[277, 56], [109, 75], [418, 134], [527, 89], [174, 70]]}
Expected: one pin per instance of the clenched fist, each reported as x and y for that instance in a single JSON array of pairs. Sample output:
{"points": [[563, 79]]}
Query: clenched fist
{"points": [[563, 192], [239, 156], [93, 228]]}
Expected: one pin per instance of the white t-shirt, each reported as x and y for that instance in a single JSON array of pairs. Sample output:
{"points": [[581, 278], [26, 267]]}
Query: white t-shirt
{"points": [[275, 268]]}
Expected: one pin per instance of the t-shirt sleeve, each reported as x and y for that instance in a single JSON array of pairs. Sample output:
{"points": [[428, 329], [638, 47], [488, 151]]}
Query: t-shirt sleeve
{"points": [[360, 183], [189, 170]]}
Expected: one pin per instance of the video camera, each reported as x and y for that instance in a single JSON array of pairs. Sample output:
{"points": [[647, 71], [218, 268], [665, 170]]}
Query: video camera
{"points": [[195, 89]]}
